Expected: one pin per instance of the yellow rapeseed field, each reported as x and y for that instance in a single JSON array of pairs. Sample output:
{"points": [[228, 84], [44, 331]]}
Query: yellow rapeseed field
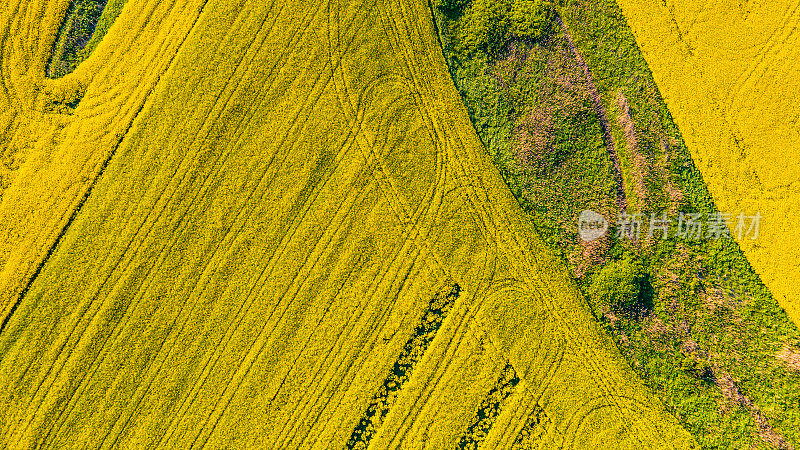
{"points": [[264, 220], [730, 73]]}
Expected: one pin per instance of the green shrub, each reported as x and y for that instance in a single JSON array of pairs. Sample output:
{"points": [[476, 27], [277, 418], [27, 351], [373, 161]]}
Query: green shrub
{"points": [[530, 18], [484, 26], [450, 5], [697, 367], [620, 284]]}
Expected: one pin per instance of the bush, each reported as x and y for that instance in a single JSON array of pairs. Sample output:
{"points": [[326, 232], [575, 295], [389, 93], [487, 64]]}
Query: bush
{"points": [[484, 26], [697, 367], [530, 18], [620, 284], [450, 5]]}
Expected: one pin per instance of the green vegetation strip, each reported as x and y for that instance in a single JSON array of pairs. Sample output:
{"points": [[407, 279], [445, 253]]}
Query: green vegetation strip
{"points": [[85, 25], [477, 432], [412, 352]]}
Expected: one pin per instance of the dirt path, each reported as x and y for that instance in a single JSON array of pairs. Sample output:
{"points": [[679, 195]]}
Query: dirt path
{"points": [[600, 110], [768, 434]]}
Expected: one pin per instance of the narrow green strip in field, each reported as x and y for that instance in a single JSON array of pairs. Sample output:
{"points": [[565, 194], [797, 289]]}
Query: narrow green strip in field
{"points": [[85, 25]]}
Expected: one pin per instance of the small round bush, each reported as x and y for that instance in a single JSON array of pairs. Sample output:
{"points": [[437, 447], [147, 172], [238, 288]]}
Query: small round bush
{"points": [[484, 25], [619, 284], [530, 18]]}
